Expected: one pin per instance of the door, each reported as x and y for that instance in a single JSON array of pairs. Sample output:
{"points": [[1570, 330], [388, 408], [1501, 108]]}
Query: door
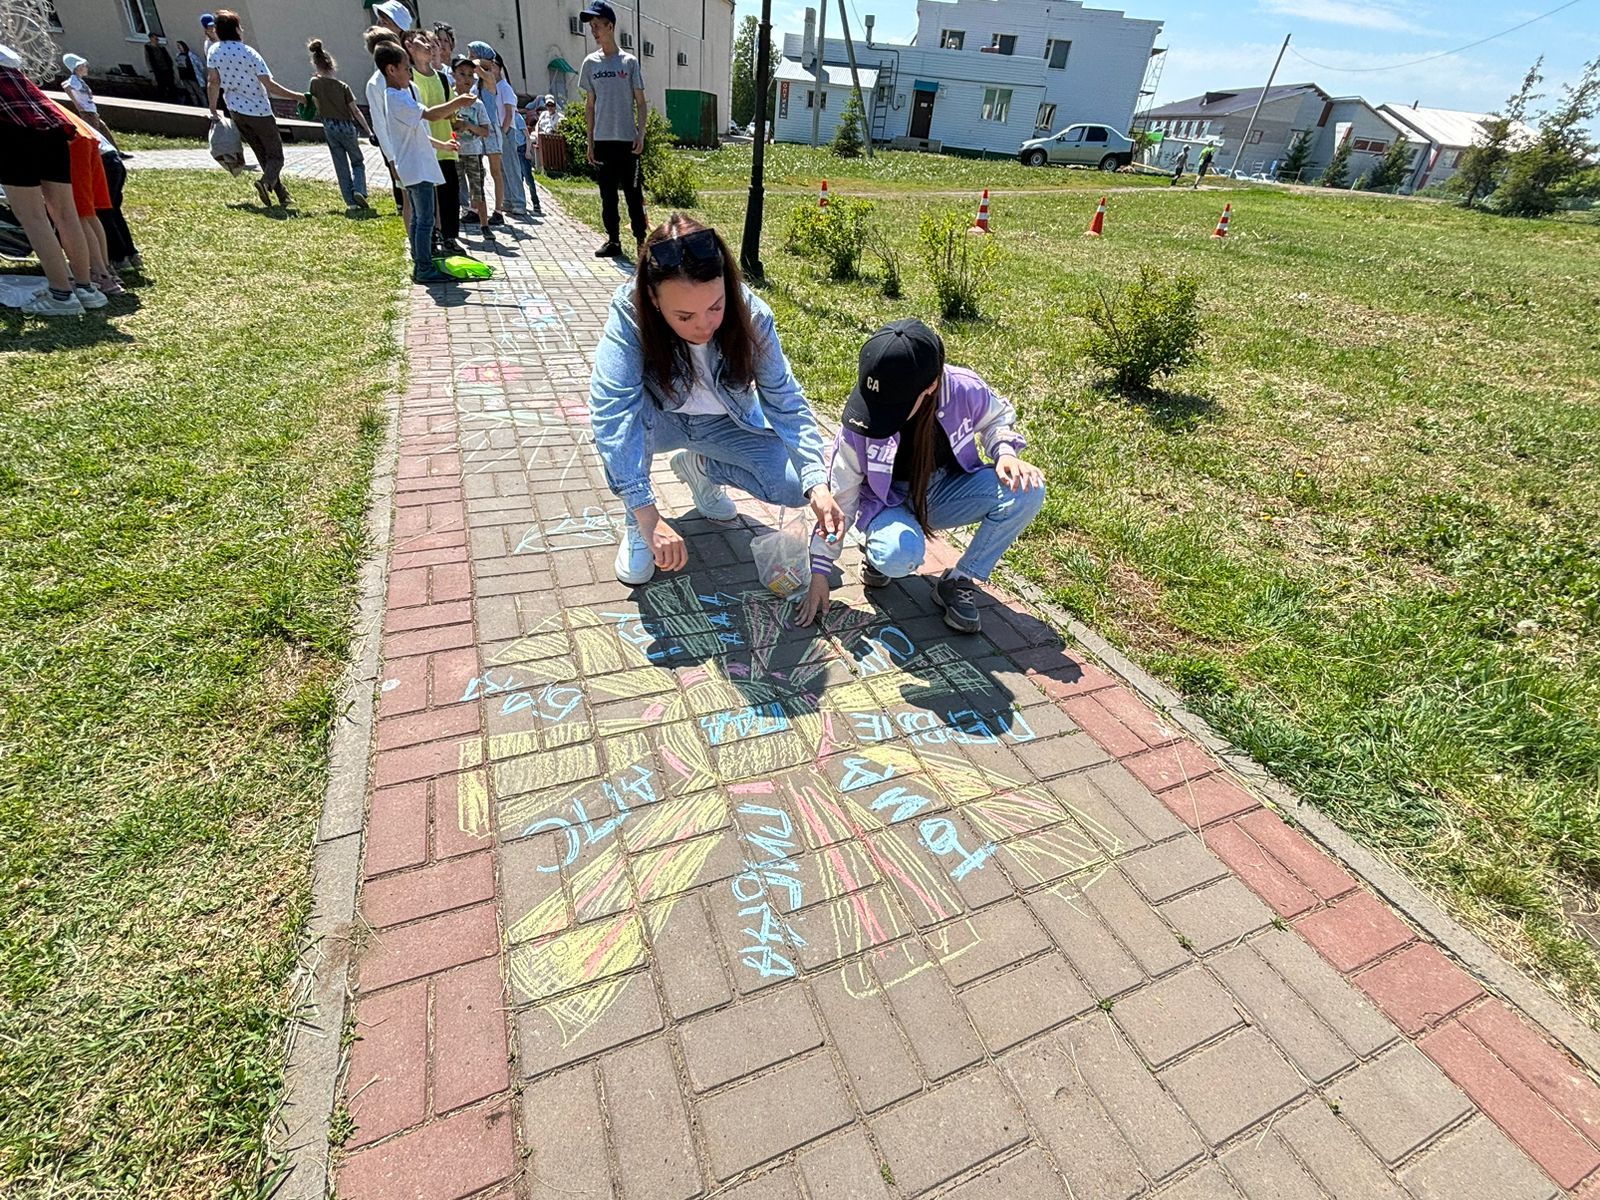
{"points": [[1093, 147], [921, 113], [1068, 145]]}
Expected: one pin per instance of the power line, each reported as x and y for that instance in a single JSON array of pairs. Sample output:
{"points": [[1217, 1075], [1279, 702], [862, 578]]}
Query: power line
{"points": [[1432, 57]]}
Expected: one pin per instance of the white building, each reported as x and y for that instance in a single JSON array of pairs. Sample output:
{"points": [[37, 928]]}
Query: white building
{"points": [[980, 75], [684, 44], [1443, 134]]}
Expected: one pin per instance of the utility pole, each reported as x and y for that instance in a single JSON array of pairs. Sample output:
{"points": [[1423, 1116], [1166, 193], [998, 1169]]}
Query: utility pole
{"points": [[855, 75], [1245, 141], [820, 71], [750, 248]]}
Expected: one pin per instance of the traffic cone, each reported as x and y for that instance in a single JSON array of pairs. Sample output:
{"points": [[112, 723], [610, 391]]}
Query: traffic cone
{"points": [[981, 225], [1097, 226], [823, 201], [1221, 230]]}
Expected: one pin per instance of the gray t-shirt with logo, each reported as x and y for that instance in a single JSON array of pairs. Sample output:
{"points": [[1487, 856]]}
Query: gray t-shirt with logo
{"points": [[613, 78]]}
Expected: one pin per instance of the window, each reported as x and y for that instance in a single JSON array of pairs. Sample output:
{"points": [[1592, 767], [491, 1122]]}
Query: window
{"points": [[1369, 146], [1055, 52], [649, 49], [683, 59], [1095, 133], [811, 99], [1046, 118], [1003, 43], [1255, 136], [953, 39], [626, 39], [575, 26], [885, 93], [143, 19], [52, 17], [996, 105]]}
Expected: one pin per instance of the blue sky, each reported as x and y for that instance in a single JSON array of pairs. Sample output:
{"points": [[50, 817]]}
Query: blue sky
{"points": [[1221, 45]]}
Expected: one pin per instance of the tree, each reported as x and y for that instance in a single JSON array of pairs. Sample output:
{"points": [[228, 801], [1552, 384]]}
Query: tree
{"points": [[742, 103], [1562, 150], [1483, 164], [1390, 171], [1338, 172], [847, 134], [1296, 160]]}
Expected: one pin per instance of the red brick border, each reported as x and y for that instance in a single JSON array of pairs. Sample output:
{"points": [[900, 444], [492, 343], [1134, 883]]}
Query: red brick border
{"points": [[1535, 1092]]}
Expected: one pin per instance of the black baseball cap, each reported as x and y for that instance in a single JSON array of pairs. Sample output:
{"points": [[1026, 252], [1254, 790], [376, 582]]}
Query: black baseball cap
{"points": [[896, 365], [599, 9]]}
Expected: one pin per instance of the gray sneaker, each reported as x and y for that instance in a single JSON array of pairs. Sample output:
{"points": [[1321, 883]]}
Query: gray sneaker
{"points": [[45, 305], [958, 596], [634, 564]]}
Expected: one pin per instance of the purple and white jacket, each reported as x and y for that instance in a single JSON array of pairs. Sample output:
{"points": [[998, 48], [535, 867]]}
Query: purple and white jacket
{"points": [[981, 427]]}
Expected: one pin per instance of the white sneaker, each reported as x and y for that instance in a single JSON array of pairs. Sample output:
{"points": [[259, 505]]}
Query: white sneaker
{"points": [[635, 564], [710, 498], [90, 296], [45, 305]]}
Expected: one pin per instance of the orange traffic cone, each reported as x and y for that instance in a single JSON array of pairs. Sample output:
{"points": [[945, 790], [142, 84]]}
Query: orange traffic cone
{"points": [[1098, 225], [981, 225], [1221, 230], [823, 201]]}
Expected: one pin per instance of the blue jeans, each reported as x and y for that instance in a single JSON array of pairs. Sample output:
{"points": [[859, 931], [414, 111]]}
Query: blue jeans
{"points": [[752, 461], [421, 229], [348, 165], [896, 546], [525, 154], [511, 168]]}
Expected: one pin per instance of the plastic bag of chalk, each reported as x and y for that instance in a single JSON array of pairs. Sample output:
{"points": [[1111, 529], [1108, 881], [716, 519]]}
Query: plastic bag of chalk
{"points": [[783, 557]]}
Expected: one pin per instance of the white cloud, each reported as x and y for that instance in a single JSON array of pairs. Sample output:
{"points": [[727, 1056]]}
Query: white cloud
{"points": [[1355, 13]]}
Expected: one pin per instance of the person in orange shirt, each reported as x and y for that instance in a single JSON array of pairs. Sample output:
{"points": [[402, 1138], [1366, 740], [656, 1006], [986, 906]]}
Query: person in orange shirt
{"points": [[90, 193]]}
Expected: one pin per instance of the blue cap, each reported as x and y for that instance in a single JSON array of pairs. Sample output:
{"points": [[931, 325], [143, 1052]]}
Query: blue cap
{"points": [[599, 9], [207, 20], [481, 49]]}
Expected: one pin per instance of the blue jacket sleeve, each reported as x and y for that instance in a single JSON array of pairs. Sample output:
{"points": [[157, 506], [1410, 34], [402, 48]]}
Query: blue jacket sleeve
{"points": [[785, 405], [616, 405]]}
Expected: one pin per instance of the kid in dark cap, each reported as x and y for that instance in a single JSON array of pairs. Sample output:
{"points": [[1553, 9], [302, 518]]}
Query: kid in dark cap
{"points": [[925, 446]]}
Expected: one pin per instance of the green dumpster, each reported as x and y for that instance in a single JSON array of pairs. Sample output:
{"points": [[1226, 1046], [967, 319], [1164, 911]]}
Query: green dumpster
{"points": [[693, 116]]}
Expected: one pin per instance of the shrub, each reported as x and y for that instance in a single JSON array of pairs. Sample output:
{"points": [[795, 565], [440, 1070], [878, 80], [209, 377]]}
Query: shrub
{"points": [[1337, 174], [668, 179], [889, 256], [1149, 328], [837, 235], [959, 263], [847, 136], [1297, 160]]}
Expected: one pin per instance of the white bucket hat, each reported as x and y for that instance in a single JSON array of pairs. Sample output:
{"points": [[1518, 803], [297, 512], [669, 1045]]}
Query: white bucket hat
{"points": [[73, 61], [396, 12]]}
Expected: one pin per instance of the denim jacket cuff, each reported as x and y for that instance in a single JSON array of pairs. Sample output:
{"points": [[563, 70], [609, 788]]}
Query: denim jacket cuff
{"points": [[813, 475]]}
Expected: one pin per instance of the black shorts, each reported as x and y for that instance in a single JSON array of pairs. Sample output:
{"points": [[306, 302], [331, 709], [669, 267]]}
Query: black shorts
{"points": [[31, 156]]}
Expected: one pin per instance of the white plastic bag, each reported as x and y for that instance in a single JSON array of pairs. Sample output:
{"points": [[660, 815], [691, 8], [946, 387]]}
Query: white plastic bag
{"points": [[227, 146], [783, 557]]}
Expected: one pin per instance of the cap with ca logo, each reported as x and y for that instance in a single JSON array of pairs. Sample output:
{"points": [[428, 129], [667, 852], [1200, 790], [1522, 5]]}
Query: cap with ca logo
{"points": [[896, 365]]}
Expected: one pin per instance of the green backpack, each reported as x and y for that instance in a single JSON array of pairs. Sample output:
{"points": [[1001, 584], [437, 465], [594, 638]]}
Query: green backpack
{"points": [[459, 266]]}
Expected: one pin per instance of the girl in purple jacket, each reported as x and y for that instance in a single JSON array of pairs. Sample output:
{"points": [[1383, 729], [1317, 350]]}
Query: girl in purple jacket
{"points": [[925, 446]]}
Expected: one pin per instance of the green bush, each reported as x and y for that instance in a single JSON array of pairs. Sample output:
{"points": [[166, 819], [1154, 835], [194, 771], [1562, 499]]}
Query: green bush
{"points": [[837, 235], [959, 263], [889, 256], [668, 178], [1149, 328]]}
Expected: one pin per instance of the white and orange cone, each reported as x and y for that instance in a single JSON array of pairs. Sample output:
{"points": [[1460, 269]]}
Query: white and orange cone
{"points": [[822, 201], [1221, 231], [1098, 225], [981, 224]]}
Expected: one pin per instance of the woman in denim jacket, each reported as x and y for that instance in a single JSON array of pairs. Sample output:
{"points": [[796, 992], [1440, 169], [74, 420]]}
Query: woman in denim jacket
{"points": [[690, 361], [925, 446]]}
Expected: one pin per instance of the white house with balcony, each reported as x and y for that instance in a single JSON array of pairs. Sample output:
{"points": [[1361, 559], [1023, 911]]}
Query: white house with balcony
{"points": [[980, 75]]}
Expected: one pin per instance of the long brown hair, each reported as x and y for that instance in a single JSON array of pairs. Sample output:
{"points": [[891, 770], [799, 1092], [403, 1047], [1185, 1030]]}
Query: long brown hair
{"points": [[666, 355], [320, 58], [919, 435]]}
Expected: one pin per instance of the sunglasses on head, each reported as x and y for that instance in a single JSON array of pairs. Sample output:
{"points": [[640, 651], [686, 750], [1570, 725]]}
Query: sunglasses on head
{"points": [[701, 246]]}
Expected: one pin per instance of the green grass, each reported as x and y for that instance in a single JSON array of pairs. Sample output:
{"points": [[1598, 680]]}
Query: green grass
{"points": [[1360, 538], [802, 168], [182, 483], [133, 141]]}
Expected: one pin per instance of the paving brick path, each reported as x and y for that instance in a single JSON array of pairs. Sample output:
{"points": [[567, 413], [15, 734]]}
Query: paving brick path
{"points": [[310, 161], [666, 899]]}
